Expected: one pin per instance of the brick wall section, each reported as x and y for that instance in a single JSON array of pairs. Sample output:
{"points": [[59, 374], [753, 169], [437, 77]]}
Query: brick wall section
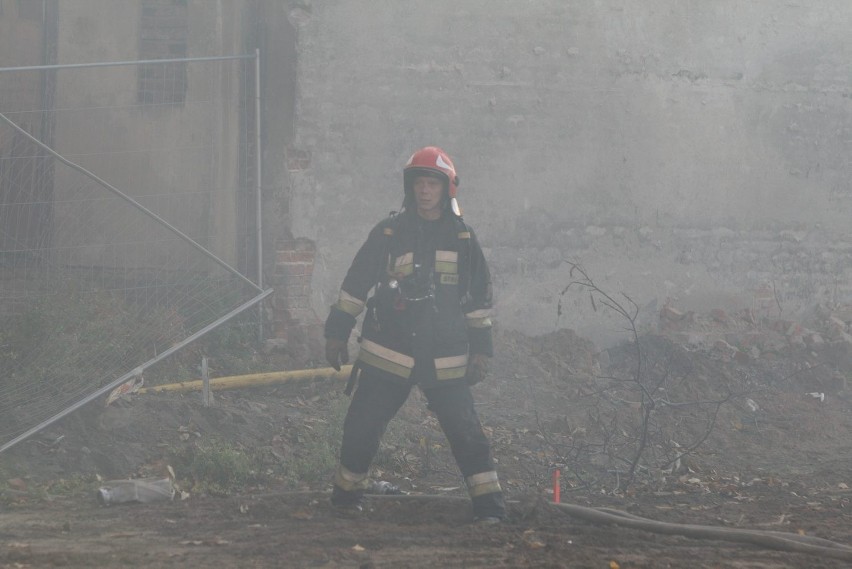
{"points": [[295, 324]]}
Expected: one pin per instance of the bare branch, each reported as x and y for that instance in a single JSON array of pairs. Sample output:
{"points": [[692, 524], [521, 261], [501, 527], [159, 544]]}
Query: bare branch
{"points": [[648, 386]]}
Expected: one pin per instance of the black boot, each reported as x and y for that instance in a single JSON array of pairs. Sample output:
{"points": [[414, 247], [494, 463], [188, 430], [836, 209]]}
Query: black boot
{"points": [[347, 502], [489, 508]]}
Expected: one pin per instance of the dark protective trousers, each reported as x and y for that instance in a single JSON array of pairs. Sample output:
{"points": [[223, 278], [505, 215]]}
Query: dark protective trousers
{"points": [[375, 403]]}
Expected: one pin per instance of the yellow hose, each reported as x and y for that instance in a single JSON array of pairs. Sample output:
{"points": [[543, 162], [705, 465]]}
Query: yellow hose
{"points": [[254, 379]]}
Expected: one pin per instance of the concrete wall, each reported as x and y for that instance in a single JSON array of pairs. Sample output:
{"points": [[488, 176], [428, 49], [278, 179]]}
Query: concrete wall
{"points": [[158, 154], [682, 151], [21, 43], [191, 163], [20, 36]]}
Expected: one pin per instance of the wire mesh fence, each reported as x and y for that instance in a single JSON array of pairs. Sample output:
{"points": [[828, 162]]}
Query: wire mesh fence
{"points": [[128, 223]]}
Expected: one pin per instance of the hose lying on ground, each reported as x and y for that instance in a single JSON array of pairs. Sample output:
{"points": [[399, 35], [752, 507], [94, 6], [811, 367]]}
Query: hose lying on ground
{"points": [[253, 380], [770, 539], [777, 540]]}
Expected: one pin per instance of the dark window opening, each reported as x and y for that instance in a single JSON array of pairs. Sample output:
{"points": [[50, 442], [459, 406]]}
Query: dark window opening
{"points": [[163, 34]]}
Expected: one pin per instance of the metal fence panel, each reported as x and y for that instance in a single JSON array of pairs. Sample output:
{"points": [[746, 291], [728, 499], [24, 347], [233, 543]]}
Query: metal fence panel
{"points": [[128, 223]]}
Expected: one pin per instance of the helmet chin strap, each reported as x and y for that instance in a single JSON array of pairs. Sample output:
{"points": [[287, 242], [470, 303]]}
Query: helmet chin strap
{"points": [[453, 203]]}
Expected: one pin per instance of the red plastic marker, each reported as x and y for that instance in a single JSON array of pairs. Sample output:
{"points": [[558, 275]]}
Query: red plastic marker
{"points": [[556, 497]]}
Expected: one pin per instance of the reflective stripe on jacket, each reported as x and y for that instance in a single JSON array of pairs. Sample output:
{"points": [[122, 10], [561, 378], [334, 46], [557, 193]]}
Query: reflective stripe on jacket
{"points": [[431, 300]]}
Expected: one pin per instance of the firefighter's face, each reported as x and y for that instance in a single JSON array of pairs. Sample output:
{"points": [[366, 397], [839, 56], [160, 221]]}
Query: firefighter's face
{"points": [[427, 193]]}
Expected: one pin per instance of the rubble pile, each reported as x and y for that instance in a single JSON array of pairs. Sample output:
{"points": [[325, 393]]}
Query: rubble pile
{"points": [[823, 337]]}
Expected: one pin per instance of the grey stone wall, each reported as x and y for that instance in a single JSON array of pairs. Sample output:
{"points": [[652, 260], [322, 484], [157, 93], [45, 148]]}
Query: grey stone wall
{"points": [[687, 152]]}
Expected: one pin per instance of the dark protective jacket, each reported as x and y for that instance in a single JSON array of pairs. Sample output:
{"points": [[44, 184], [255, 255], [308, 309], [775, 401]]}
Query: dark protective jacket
{"points": [[431, 300]]}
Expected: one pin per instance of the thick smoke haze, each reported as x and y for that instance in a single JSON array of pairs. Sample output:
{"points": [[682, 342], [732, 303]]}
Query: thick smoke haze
{"points": [[683, 152]]}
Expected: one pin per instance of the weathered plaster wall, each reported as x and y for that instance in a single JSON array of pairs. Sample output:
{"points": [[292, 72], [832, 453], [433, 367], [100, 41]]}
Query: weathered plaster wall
{"points": [[682, 151], [157, 154], [22, 42], [17, 30]]}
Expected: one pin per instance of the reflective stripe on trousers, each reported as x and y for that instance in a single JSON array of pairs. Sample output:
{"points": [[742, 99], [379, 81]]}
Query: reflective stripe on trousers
{"points": [[349, 481], [482, 483]]}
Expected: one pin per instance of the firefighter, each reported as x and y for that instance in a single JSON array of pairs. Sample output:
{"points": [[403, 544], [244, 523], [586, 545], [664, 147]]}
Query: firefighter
{"points": [[426, 324]]}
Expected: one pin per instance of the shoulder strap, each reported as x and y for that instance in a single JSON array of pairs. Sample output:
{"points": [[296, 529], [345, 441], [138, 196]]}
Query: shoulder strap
{"points": [[390, 226], [464, 245]]}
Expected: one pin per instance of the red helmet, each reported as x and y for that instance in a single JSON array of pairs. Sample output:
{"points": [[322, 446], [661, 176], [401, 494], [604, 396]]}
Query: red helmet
{"points": [[431, 161]]}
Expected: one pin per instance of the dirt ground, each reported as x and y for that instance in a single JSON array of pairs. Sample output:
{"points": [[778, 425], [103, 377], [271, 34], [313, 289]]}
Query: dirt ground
{"points": [[745, 425]]}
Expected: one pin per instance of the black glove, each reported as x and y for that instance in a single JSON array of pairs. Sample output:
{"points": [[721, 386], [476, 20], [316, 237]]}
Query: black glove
{"points": [[336, 352], [477, 369]]}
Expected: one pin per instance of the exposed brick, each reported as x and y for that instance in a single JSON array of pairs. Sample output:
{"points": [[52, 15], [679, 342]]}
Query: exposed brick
{"points": [[294, 269], [296, 289], [300, 302], [292, 312]]}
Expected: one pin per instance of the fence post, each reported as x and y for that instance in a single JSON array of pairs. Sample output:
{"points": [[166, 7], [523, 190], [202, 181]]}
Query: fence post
{"points": [[205, 382], [259, 193]]}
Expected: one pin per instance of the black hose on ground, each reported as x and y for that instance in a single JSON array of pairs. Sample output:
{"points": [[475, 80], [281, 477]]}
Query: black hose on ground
{"points": [[777, 540], [768, 539]]}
